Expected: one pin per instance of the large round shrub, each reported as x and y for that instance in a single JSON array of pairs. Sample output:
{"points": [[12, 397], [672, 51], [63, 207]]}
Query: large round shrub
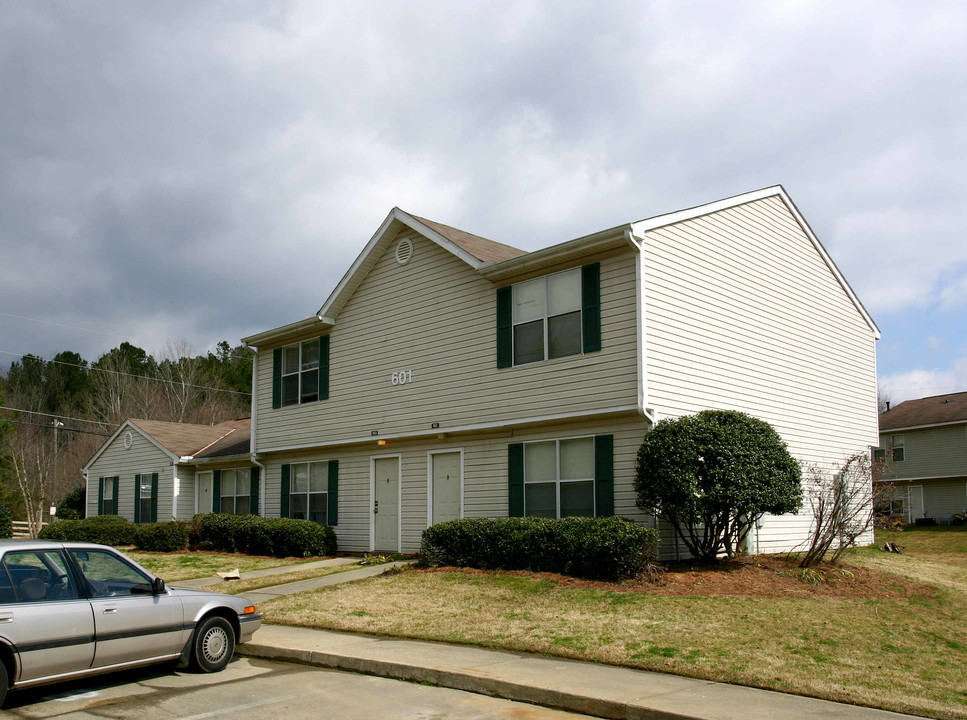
{"points": [[162, 537], [103, 529], [713, 475]]}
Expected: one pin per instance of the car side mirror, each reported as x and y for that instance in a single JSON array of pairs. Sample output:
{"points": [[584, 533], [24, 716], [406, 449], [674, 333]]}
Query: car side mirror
{"points": [[157, 586]]}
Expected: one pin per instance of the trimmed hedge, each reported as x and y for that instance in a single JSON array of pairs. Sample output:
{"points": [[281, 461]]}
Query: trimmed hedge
{"points": [[254, 535], [608, 548], [103, 529], [162, 537], [6, 522]]}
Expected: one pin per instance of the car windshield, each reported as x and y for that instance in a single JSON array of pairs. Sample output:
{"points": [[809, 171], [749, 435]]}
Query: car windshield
{"points": [[108, 574]]}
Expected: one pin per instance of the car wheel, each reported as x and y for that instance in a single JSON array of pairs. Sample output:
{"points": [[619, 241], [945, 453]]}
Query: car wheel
{"points": [[213, 644], [4, 682]]}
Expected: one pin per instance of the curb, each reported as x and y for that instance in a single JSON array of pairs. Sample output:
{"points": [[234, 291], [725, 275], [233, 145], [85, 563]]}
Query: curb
{"points": [[494, 687]]}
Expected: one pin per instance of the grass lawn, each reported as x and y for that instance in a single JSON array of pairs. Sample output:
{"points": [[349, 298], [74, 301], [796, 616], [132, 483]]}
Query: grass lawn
{"points": [[188, 565], [890, 632]]}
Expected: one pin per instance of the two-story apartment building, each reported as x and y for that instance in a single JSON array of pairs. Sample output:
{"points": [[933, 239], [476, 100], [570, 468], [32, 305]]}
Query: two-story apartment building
{"points": [[923, 447], [448, 375]]}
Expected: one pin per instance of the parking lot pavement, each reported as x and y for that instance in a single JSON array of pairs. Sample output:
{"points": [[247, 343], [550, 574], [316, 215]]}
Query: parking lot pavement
{"points": [[250, 689]]}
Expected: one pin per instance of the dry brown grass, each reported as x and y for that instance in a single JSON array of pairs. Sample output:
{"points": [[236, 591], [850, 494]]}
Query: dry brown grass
{"points": [[236, 587], [188, 565], [892, 642]]}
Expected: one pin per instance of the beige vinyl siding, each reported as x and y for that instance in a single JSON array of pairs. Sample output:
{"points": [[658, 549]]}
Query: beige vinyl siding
{"points": [[743, 313], [485, 476], [436, 317], [142, 457], [185, 494], [929, 453]]}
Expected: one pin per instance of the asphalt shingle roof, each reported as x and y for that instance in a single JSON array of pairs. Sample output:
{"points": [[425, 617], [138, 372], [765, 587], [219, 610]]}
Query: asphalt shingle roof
{"points": [[926, 411], [186, 439]]}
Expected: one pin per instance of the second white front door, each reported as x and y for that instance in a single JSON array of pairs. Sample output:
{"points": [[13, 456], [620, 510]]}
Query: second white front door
{"points": [[204, 492], [445, 482], [386, 504]]}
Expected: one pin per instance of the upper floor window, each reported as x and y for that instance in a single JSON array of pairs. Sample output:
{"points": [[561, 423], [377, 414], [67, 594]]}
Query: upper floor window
{"points": [[300, 372], [897, 445], [549, 317]]}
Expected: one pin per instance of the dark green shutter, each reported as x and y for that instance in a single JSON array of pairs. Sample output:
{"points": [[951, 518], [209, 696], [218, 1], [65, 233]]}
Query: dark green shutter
{"points": [[277, 378], [515, 480], [324, 367], [604, 474], [137, 499], [154, 497], [114, 502], [216, 491], [505, 326], [333, 499], [100, 497], [254, 502], [284, 498], [591, 306]]}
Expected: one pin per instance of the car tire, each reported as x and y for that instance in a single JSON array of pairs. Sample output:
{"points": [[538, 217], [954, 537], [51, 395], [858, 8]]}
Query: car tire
{"points": [[213, 645], [4, 682]]}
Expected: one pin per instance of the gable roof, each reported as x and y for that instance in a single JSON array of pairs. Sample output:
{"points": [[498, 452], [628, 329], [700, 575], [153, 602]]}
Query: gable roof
{"points": [[642, 227], [471, 249], [179, 440], [935, 410]]}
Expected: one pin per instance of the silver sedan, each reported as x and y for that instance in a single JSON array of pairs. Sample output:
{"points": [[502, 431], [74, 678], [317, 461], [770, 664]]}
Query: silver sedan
{"points": [[73, 609]]}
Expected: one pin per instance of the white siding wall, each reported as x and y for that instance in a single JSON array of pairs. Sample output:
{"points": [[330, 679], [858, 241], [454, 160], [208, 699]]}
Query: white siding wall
{"points": [[436, 317], [742, 313], [485, 476], [142, 457]]}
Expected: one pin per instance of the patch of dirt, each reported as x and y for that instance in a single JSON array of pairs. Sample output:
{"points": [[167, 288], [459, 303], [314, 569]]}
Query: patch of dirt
{"points": [[765, 576]]}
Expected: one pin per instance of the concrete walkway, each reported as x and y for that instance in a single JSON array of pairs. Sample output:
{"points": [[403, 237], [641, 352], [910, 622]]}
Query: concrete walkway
{"points": [[589, 688]]}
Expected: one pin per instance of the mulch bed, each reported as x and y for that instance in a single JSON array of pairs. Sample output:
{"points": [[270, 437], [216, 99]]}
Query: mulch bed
{"points": [[766, 576]]}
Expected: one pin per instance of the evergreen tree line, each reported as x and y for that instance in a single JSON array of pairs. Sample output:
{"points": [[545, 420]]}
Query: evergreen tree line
{"points": [[60, 411]]}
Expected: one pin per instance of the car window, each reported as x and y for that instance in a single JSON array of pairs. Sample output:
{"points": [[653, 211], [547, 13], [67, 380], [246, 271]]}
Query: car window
{"points": [[6, 588], [109, 575], [39, 576]]}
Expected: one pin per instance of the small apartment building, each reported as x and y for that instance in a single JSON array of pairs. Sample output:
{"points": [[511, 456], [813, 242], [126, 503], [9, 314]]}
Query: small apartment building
{"points": [[449, 376], [923, 449], [152, 471]]}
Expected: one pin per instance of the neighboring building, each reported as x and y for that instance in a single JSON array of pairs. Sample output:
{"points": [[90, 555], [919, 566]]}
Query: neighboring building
{"points": [[923, 446], [451, 376], [150, 471]]}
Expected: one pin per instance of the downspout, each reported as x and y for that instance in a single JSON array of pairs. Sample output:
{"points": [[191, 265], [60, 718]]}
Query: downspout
{"points": [[638, 242], [254, 427], [87, 489]]}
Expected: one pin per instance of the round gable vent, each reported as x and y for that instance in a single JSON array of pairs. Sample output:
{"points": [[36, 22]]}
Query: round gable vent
{"points": [[404, 251]]}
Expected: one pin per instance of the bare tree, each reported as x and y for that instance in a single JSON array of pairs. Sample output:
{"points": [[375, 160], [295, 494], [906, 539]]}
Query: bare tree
{"points": [[842, 505]]}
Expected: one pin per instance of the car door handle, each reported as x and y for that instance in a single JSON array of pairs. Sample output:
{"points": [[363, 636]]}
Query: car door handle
{"points": [[6, 617], [110, 609]]}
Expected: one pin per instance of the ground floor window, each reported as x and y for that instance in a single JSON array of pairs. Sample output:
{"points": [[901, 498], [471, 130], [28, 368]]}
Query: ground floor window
{"points": [[309, 492], [145, 498], [559, 478], [235, 491]]}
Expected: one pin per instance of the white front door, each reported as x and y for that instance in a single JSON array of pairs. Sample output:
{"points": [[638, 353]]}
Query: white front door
{"points": [[916, 502], [445, 486], [204, 492], [386, 504]]}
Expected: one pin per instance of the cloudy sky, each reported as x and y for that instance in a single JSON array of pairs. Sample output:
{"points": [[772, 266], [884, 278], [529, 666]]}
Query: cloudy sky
{"points": [[204, 170]]}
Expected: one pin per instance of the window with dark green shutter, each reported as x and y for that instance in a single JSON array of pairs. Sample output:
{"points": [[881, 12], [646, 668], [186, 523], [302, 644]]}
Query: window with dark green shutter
{"points": [[562, 478], [284, 492], [235, 491], [308, 491], [107, 494], [300, 372], [254, 499], [549, 317]]}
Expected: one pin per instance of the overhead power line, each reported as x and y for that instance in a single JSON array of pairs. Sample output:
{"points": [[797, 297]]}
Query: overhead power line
{"points": [[59, 429], [92, 368], [54, 415]]}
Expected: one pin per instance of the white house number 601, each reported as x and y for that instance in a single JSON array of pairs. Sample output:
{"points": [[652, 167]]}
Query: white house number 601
{"points": [[402, 377]]}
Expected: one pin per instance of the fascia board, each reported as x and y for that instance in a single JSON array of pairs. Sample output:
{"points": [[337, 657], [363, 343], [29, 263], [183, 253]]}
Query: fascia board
{"points": [[905, 428], [572, 249], [642, 227], [361, 266], [296, 328]]}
